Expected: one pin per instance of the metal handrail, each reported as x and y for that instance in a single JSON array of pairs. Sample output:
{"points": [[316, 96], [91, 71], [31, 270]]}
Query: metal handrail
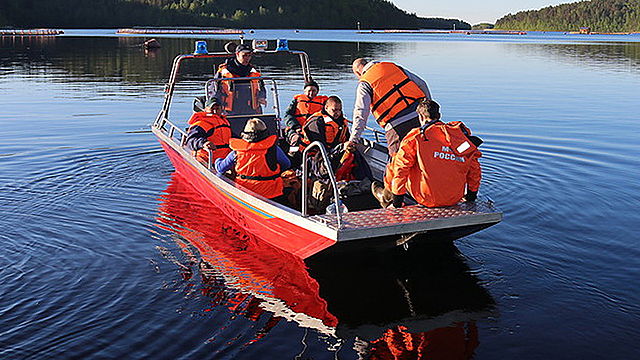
{"points": [[171, 130], [377, 133], [332, 178]]}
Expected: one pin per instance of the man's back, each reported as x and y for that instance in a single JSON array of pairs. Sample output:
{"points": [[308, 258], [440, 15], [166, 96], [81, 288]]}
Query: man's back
{"points": [[435, 165]]}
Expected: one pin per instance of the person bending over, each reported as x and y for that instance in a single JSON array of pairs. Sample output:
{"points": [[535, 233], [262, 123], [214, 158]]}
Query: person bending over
{"points": [[392, 94]]}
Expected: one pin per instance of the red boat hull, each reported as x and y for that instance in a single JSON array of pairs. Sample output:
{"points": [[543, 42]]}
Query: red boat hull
{"points": [[272, 229]]}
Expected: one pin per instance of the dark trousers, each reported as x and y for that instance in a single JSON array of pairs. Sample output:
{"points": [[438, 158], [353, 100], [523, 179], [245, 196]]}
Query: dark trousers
{"points": [[396, 133]]}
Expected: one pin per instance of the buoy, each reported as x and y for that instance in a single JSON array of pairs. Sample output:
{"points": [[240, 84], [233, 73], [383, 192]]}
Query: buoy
{"points": [[151, 44]]}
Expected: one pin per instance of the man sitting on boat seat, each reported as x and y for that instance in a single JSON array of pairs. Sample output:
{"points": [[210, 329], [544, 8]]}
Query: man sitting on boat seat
{"points": [[328, 126], [209, 130], [240, 97], [301, 108], [435, 163], [257, 161]]}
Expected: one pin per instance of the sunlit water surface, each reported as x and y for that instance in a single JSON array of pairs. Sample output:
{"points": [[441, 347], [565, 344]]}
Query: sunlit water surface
{"points": [[106, 253]]}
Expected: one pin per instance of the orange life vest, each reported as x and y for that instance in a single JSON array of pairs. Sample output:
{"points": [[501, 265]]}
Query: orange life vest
{"points": [[306, 107], [219, 137], [393, 91], [252, 169], [435, 164], [229, 95], [334, 132]]}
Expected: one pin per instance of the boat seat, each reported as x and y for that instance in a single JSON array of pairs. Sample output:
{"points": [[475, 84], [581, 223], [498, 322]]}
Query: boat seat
{"points": [[238, 122]]}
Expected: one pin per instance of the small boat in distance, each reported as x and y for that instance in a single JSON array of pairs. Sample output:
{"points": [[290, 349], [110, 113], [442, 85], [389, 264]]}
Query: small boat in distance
{"points": [[299, 232]]}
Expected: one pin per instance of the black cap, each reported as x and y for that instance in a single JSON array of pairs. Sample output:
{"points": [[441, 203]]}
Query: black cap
{"points": [[243, 48], [311, 82]]}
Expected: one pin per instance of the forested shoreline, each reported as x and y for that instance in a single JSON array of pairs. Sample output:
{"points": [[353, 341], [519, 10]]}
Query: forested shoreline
{"points": [[597, 15], [320, 14]]}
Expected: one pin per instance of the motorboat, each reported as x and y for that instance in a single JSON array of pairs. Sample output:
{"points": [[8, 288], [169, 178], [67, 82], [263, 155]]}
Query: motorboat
{"points": [[302, 232]]}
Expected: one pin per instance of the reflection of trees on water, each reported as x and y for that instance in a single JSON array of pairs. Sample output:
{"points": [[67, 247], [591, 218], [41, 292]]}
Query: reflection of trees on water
{"points": [[614, 56], [88, 59], [123, 58]]}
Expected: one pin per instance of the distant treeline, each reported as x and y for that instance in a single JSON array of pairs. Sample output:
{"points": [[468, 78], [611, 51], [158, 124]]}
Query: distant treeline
{"points": [[598, 15], [320, 14]]}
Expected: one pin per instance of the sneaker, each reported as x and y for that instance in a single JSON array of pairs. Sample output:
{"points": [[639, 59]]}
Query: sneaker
{"points": [[384, 196]]}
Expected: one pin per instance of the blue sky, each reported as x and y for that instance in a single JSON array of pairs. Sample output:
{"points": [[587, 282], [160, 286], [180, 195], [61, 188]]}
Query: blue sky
{"points": [[472, 11]]}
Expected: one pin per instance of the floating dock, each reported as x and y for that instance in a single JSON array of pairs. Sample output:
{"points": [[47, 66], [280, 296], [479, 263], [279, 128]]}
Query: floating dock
{"points": [[30, 32], [149, 31]]}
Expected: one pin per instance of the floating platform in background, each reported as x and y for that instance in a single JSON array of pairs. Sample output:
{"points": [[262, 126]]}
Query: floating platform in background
{"points": [[465, 32], [31, 32], [179, 31], [601, 33]]}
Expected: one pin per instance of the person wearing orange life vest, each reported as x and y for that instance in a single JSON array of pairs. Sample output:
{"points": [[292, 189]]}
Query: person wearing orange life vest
{"points": [[435, 163], [209, 130], [301, 108], [327, 126], [392, 94], [243, 97], [257, 160]]}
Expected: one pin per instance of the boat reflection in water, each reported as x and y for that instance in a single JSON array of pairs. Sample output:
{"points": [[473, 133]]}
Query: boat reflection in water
{"points": [[392, 304], [400, 304]]}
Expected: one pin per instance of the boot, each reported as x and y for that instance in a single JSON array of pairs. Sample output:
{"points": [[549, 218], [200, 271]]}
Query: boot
{"points": [[384, 196]]}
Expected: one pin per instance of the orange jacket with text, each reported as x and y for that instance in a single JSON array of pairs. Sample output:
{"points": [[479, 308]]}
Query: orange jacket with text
{"points": [[252, 166], [435, 165], [305, 107], [393, 91], [457, 341], [217, 130]]}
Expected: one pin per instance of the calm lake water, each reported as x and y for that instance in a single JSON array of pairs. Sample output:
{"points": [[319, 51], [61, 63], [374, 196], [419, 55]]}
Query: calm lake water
{"points": [[106, 253]]}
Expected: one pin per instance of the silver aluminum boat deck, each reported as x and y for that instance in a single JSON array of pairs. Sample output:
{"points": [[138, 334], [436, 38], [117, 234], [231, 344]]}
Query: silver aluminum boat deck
{"points": [[411, 219]]}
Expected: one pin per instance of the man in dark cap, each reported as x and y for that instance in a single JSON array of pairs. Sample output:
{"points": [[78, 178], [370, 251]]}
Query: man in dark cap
{"points": [[301, 108], [243, 97], [209, 130]]}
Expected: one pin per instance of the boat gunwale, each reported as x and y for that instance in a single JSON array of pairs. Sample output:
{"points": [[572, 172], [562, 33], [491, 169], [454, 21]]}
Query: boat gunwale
{"points": [[311, 223], [326, 225]]}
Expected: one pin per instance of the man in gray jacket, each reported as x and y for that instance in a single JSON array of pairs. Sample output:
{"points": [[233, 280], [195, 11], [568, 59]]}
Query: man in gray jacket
{"points": [[392, 94]]}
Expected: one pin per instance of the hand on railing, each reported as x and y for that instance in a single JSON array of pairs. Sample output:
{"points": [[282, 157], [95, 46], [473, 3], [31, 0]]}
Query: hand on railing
{"points": [[332, 179], [209, 146]]}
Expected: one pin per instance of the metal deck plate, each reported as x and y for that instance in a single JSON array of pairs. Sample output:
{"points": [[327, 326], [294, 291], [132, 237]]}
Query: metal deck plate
{"points": [[411, 219]]}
